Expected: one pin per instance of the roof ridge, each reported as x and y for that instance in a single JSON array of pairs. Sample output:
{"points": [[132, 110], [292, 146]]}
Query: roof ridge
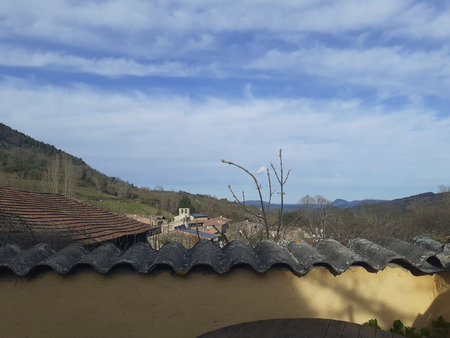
{"points": [[299, 257]]}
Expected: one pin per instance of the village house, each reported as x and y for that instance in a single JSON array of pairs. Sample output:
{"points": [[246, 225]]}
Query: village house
{"points": [[186, 227], [158, 224], [200, 226], [185, 218], [217, 224]]}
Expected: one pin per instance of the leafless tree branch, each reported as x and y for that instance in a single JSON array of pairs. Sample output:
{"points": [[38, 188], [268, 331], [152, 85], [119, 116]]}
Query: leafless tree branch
{"points": [[222, 234], [242, 204], [263, 216], [258, 187]]}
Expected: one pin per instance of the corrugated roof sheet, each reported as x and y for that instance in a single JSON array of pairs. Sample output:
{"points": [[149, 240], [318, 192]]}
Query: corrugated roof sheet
{"points": [[79, 221], [200, 233], [199, 215], [423, 255]]}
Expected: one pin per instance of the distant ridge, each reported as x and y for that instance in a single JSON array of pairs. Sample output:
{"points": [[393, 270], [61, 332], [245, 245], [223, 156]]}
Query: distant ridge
{"points": [[426, 199], [338, 203]]}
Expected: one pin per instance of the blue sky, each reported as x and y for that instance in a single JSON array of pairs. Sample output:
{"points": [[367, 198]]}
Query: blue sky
{"points": [[158, 92]]}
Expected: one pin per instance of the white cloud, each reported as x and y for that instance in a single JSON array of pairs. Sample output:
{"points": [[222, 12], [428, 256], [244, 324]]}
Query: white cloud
{"points": [[422, 21], [261, 170], [145, 136], [134, 27], [107, 66], [134, 15], [198, 38], [426, 72]]}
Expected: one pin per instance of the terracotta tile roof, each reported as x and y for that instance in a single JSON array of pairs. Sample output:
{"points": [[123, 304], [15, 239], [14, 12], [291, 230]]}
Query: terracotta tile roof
{"points": [[420, 256], [79, 221], [217, 221], [208, 230]]}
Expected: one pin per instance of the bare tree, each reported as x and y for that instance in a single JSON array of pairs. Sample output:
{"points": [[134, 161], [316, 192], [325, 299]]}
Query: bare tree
{"points": [[69, 175], [54, 174], [316, 211], [123, 189], [262, 215], [443, 188]]}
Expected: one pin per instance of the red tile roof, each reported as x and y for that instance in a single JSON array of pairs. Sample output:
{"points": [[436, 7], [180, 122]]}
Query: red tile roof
{"points": [[79, 221], [218, 221]]}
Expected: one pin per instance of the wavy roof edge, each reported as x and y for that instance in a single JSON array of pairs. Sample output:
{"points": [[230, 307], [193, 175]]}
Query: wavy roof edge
{"points": [[420, 256]]}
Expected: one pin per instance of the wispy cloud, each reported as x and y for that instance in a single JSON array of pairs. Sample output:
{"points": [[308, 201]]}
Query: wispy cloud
{"points": [[261, 170], [106, 66], [426, 72], [142, 25], [423, 20], [178, 16]]}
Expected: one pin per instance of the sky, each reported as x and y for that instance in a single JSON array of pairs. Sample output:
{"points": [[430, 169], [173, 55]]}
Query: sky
{"points": [[157, 93]]}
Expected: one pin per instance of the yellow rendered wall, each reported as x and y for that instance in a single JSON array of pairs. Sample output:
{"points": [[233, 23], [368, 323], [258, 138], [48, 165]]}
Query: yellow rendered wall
{"points": [[163, 304]]}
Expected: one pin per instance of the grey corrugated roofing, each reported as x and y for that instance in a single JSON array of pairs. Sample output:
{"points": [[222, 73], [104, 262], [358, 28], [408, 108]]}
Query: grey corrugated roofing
{"points": [[422, 255], [200, 233], [199, 215]]}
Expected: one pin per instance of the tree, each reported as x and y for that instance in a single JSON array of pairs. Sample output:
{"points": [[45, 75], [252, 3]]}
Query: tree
{"points": [[185, 202], [69, 175], [317, 211], [271, 230], [124, 189], [54, 176]]}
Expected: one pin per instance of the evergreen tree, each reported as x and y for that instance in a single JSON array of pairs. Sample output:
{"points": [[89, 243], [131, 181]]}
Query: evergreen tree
{"points": [[185, 202]]}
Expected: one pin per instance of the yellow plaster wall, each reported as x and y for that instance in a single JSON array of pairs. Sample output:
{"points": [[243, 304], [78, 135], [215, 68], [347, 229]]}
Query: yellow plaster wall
{"points": [[87, 304]]}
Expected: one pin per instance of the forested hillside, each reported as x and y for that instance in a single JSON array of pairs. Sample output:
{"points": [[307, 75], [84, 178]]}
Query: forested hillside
{"points": [[28, 164], [31, 165]]}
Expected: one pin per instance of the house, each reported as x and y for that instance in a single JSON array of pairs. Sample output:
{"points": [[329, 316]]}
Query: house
{"points": [[178, 292], [153, 220], [157, 224], [29, 217], [183, 215], [217, 224], [200, 226], [199, 217], [185, 218]]}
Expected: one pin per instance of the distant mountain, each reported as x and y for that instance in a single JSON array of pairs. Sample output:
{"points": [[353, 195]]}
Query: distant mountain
{"points": [[424, 199], [338, 203]]}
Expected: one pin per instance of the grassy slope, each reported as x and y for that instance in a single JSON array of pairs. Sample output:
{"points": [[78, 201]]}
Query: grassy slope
{"points": [[118, 205]]}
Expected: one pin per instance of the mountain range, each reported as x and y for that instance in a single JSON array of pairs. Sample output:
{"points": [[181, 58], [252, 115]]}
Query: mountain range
{"points": [[338, 203]]}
